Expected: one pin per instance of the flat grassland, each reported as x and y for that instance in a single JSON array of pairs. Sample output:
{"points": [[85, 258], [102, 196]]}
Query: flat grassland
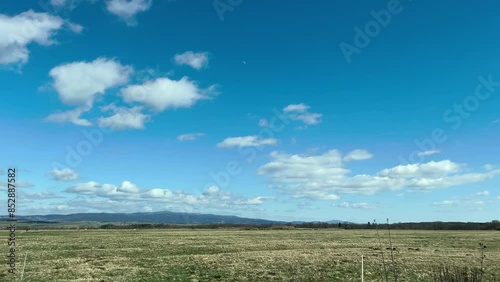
{"points": [[246, 255]]}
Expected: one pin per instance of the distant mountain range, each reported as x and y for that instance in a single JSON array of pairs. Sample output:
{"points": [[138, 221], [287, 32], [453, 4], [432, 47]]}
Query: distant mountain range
{"points": [[153, 217]]}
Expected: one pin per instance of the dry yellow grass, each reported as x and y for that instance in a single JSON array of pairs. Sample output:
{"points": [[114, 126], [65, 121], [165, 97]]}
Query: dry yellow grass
{"points": [[245, 255]]}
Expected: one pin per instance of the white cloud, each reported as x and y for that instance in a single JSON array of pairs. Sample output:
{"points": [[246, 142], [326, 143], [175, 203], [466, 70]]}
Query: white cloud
{"points": [[446, 203], [195, 60], [19, 184], [128, 9], [253, 201], [308, 118], [75, 27], [362, 205], [489, 167], [296, 108], [40, 195], [326, 174], [440, 168], [64, 6], [301, 112], [128, 193], [126, 190], [189, 136], [78, 83], [64, 174], [263, 123], [164, 93], [128, 187], [471, 202], [72, 116], [17, 32], [246, 141], [358, 155], [212, 190], [483, 193], [428, 153], [58, 2], [315, 195], [88, 188], [124, 118]]}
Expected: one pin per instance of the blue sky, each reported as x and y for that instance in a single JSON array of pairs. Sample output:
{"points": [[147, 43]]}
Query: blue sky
{"points": [[281, 110]]}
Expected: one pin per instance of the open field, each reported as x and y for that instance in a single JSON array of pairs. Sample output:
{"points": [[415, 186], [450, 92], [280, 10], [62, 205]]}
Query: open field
{"points": [[245, 255]]}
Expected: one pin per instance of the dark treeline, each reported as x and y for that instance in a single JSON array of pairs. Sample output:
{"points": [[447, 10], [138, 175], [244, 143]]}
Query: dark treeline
{"points": [[493, 225], [438, 225]]}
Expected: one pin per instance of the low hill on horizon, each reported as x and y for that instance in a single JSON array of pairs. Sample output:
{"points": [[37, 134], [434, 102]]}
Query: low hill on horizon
{"points": [[153, 217]]}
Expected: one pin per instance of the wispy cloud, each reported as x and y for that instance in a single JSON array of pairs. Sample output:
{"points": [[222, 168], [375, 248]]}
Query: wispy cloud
{"points": [[445, 203], [428, 153], [72, 116], [246, 141], [41, 195], [361, 205], [189, 136], [301, 112], [483, 193], [263, 123], [63, 174]]}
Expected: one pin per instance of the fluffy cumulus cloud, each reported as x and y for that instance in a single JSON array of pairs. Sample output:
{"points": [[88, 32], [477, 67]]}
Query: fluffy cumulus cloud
{"points": [[17, 32], [189, 136], [128, 9], [79, 83], [124, 118], [301, 112], [246, 141], [63, 174], [325, 175], [195, 60], [125, 190], [72, 116], [164, 93], [128, 192]]}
